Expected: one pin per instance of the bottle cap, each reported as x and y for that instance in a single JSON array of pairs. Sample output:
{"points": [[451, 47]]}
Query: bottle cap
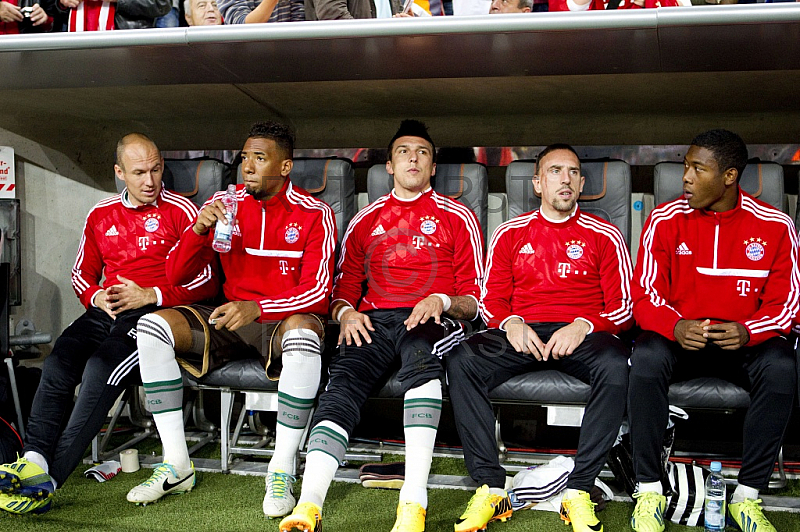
{"points": [[716, 467]]}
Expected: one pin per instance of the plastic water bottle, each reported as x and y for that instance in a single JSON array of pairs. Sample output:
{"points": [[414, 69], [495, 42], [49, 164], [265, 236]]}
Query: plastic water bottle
{"points": [[715, 499], [224, 233]]}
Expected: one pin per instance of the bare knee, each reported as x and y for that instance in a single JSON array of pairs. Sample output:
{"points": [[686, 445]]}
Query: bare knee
{"points": [[181, 331], [301, 321]]}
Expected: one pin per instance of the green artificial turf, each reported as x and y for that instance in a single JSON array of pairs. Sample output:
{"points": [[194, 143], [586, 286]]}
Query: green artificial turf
{"points": [[233, 503]]}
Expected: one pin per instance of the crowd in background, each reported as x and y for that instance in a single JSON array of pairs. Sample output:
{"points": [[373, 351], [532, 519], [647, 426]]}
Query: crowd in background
{"points": [[41, 16]]}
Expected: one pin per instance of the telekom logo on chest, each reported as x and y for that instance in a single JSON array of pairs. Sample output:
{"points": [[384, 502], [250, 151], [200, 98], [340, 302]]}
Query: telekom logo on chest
{"points": [[743, 286]]}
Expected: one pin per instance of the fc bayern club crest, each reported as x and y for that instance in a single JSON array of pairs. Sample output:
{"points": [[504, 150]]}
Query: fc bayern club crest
{"points": [[428, 225], [754, 248], [151, 224], [575, 249], [292, 233]]}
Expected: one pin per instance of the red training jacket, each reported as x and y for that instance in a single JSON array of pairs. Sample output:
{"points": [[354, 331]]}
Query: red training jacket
{"points": [[120, 239], [739, 265], [407, 250], [281, 253], [544, 271]]}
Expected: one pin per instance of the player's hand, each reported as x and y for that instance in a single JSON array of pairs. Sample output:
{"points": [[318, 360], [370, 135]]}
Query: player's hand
{"points": [[730, 336], [208, 216], [690, 334], [70, 4], [128, 295], [101, 301], [10, 13], [565, 340], [524, 339], [430, 307], [234, 314], [353, 326]]}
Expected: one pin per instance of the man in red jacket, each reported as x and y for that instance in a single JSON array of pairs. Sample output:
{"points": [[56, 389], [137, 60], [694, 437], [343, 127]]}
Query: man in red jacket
{"points": [[126, 239], [715, 292], [277, 285], [555, 295], [420, 256]]}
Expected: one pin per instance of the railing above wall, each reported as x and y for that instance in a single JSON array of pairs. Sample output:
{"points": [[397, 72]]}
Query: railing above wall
{"points": [[754, 37], [654, 76]]}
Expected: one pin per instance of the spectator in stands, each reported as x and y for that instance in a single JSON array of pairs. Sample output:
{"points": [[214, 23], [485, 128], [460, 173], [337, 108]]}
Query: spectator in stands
{"points": [[715, 291], [344, 9], [420, 257], [257, 11], [277, 284], [202, 12], [510, 6], [103, 15], [15, 19], [126, 239], [556, 294], [172, 18]]}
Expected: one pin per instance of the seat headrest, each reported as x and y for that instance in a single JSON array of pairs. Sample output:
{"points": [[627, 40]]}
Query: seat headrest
{"points": [[752, 180], [763, 180], [449, 180], [311, 174], [595, 172], [596, 184], [195, 179]]}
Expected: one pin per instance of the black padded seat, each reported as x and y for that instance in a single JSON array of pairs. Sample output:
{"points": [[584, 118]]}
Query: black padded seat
{"points": [[539, 387], [247, 374], [542, 387], [554, 387], [708, 392]]}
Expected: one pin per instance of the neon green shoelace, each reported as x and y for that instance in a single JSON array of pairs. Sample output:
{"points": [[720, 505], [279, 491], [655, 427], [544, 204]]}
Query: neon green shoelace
{"points": [[160, 471], [279, 484]]}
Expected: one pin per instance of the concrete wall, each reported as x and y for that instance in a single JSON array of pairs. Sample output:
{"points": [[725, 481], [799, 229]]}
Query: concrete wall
{"points": [[55, 196]]}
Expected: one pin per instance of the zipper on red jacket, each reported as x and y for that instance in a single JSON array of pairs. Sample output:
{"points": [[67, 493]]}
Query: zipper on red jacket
{"points": [[716, 238], [263, 222]]}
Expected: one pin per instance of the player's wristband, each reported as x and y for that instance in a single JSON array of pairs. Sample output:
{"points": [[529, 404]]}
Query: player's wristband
{"points": [[445, 301], [341, 311]]}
